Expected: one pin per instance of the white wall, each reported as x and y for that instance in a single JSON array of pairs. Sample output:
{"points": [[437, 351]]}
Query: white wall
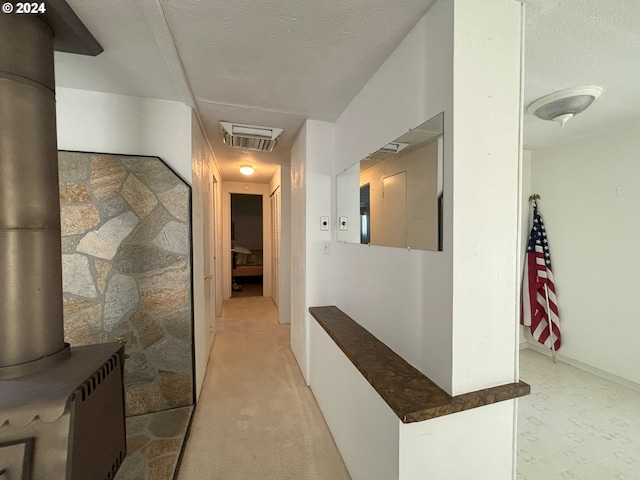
{"points": [[590, 197], [407, 306], [363, 426], [433, 297], [203, 167], [312, 276], [525, 224], [108, 123], [486, 196], [452, 314], [482, 452], [299, 331]]}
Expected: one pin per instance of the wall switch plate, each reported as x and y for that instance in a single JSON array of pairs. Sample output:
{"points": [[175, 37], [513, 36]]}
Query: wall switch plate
{"points": [[326, 247], [324, 224], [343, 223]]}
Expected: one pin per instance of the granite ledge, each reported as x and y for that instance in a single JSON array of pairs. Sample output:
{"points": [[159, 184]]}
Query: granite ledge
{"points": [[409, 393]]}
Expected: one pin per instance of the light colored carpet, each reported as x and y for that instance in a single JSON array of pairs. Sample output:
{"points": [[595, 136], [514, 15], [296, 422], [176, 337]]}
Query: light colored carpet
{"points": [[256, 419]]}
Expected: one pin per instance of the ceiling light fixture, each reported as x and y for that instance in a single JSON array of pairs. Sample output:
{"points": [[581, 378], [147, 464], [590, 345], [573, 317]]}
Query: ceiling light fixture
{"points": [[249, 137], [564, 105], [246, 170]]}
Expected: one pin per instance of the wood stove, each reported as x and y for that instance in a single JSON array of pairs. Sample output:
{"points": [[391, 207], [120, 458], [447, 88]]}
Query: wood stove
{"points": [[61, 408]]}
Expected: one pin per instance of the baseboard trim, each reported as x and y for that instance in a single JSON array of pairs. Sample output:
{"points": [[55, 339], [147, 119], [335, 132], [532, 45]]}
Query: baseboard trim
{"points": [[583, 366]]}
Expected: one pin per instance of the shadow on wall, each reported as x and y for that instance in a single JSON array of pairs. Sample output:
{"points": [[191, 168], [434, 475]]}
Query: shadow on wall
{"points": [[126, 258]]}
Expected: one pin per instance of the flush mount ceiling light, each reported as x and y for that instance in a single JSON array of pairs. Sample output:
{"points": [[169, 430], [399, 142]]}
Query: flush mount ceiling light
{"points": [[563, 105], [246, 170], [249, 137]]}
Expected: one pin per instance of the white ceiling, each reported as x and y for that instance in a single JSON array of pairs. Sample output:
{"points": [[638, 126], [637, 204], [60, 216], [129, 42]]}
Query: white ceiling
{"points": [[277, 62]]}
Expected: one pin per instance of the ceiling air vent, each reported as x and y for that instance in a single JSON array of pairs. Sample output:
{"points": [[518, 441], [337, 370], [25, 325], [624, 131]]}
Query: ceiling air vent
{"points": [[250, 137], [388, 150]]}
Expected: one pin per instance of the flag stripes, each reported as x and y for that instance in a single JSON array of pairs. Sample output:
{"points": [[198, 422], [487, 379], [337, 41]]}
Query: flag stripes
{"points": [[539, 307]]}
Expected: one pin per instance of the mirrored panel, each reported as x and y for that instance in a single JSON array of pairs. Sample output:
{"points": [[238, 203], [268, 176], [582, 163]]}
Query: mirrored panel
{"points": [[394, 196]]}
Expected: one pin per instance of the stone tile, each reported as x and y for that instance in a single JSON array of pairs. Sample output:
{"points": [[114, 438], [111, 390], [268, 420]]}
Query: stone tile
{"points": [[176, 276], [174, 237], [138, 371], [68, 243], [74, 193], [121, 297], [79, 329], [74, 305], [73, 167], [164, 446], [150, 226], [76, 276], [143, 399], [166, 299], [149, 331], [124, 332], [107, 175], [143, 448], [140, 198], [113, 206], [170, 423], [152, 172], [176, 201], [104, 242], [135, 259], [135, 442], [178, 324], [137, 425], [163, 467], [176, 389], [171, 355], [77, 219], [102, 268], [136, 467]]}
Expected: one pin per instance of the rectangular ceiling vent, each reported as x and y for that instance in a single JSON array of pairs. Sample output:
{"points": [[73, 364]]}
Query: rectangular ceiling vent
{"points": [[388, 150], [250, 137]]}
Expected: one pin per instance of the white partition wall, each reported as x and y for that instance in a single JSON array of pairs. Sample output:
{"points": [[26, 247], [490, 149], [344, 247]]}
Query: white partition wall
{"points": [[451, 314]]}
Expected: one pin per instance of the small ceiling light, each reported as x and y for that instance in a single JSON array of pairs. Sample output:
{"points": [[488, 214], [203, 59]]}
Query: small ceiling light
{"points": [[246, 170], [564, 105], [250, 137]]}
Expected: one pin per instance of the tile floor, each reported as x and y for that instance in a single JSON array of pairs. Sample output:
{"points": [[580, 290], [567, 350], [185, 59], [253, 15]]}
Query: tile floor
{"points": [[575, 425], [154, 442]]}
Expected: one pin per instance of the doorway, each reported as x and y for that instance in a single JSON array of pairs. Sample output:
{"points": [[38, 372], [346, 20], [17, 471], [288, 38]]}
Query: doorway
{"points": [[246, 245]]}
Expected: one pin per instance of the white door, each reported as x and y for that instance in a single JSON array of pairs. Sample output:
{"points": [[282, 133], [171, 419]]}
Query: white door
{"points": [[275, 245], [394, 210], [209, 257]]}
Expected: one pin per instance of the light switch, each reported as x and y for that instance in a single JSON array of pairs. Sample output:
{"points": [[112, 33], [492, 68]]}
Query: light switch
{"points": [[343, 224], [326, 247], [324, 224]]}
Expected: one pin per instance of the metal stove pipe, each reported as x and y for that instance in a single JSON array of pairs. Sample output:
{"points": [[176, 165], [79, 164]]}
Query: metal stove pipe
{"points": [[31, 321]]}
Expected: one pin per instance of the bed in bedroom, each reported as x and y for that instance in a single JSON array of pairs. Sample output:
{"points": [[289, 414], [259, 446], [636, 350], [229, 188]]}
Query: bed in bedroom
{"points": [[246, 263]]}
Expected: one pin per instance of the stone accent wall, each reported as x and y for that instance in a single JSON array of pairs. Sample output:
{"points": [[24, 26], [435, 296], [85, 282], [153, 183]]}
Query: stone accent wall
{"points": [[126, 260]]}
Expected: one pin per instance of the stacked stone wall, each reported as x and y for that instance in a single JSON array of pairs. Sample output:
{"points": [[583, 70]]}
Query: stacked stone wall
{"points": [[126, 256]]}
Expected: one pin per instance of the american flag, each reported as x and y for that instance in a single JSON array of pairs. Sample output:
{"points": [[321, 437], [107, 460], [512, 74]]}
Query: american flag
{"points": [[537, 275]]}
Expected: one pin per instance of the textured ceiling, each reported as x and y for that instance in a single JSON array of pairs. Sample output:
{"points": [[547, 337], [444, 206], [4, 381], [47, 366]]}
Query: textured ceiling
{"points": [[277, 62], [570, 43]]}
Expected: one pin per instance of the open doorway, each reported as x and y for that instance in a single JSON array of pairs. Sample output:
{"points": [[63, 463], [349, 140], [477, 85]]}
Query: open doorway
{"points": [[246, 245]]}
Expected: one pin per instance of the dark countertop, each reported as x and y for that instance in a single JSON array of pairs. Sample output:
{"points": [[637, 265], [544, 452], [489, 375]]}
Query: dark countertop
{"points": [[409, 393]]}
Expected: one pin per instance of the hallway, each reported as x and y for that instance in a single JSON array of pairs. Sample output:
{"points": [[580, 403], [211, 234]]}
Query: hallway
{"points": [[256, 418]]}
